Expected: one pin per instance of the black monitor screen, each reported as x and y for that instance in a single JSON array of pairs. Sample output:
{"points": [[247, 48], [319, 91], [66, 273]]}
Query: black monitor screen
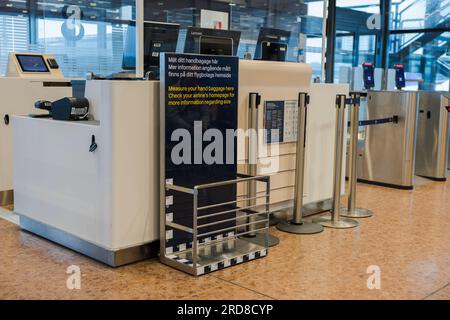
{"points": [[158, 37], [272, 51], [32, 63], [216, 46], [201, 39], [271, 36]]}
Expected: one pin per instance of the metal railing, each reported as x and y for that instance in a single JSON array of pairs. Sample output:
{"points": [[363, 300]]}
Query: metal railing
{"points": [[196, 261]]}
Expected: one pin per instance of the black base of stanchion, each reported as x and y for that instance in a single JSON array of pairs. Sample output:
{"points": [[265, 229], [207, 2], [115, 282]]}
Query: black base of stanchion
{"points": [[357, 213], [260, 239], [302, 228]]}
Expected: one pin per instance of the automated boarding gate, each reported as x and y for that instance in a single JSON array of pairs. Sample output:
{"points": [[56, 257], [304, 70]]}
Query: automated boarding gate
{"points": [[432, 135], [386, 146]]}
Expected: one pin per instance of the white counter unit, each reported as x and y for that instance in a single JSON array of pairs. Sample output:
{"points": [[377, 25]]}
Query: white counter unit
{"points": [[102, 203], [18, 98]]}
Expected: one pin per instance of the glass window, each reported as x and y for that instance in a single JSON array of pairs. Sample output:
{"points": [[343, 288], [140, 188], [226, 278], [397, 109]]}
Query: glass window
{"points": [[420, 14], [426, 57], [300, 19], [90, 36], [358, 30]]}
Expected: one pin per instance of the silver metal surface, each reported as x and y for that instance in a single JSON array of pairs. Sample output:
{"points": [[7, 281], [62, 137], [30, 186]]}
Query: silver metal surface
{"points": [[356, 213], [229, 211], [213, 254], [300, 160], [432, 135], [194, 227], [252, 154], [351, 211], [109, 257], [343, 223], [338, 155], [6, 198], [203, 253], [386, 152]]}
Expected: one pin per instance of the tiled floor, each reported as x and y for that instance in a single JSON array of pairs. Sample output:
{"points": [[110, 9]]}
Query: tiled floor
{"points": [[408, 239]]}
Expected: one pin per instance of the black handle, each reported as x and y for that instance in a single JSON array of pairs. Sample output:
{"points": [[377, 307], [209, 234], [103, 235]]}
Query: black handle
{"points": [[94, 145], [6, 119]]}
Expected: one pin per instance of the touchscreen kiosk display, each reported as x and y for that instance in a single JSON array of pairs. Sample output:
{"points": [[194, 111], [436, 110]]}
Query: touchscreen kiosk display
{"points": [[32, 63], [400, 81], [369, 77]]}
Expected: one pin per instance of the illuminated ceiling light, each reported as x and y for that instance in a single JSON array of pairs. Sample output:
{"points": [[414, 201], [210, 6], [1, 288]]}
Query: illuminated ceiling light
{"points": [[9, 5], [93, 17], [93, 4]]}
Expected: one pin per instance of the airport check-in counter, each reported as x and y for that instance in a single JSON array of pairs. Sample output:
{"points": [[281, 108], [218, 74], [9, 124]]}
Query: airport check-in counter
{"points": [[386, 151], [105, 203], [102, 203], [432, 135]]}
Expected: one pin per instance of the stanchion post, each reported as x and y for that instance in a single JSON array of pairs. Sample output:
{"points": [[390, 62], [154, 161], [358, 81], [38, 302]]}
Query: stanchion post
{"points": [[352, 211], [252, 155], [257, 238], [297, 225], [334, 220]]}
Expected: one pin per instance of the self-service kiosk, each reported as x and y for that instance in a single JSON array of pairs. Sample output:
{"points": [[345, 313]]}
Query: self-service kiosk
{"points": [[386, 146], [29, 77]]}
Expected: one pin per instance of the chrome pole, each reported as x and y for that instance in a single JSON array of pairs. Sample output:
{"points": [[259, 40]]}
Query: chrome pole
{"points": [[139, 4], [252, 156], [334, 220], [352, 211], [254, 237], [297, 225], [195, 232]]}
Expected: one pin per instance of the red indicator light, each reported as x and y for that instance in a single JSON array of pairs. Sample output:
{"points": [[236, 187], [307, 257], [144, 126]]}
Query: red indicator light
{"points": [[448, 108]]}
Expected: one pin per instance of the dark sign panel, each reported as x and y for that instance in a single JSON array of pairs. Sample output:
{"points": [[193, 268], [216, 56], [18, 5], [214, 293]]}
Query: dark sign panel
{"points": [[199, 96]]}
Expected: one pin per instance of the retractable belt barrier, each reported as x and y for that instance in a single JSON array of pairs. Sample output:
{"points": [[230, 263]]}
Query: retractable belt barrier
{"points": [[352, 211], [252, 150], [297, 225], [364, 123], [334, 219]]}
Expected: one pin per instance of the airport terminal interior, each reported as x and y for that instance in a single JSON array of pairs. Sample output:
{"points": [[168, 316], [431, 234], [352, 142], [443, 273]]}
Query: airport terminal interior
{"points": [[225, 149]]}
